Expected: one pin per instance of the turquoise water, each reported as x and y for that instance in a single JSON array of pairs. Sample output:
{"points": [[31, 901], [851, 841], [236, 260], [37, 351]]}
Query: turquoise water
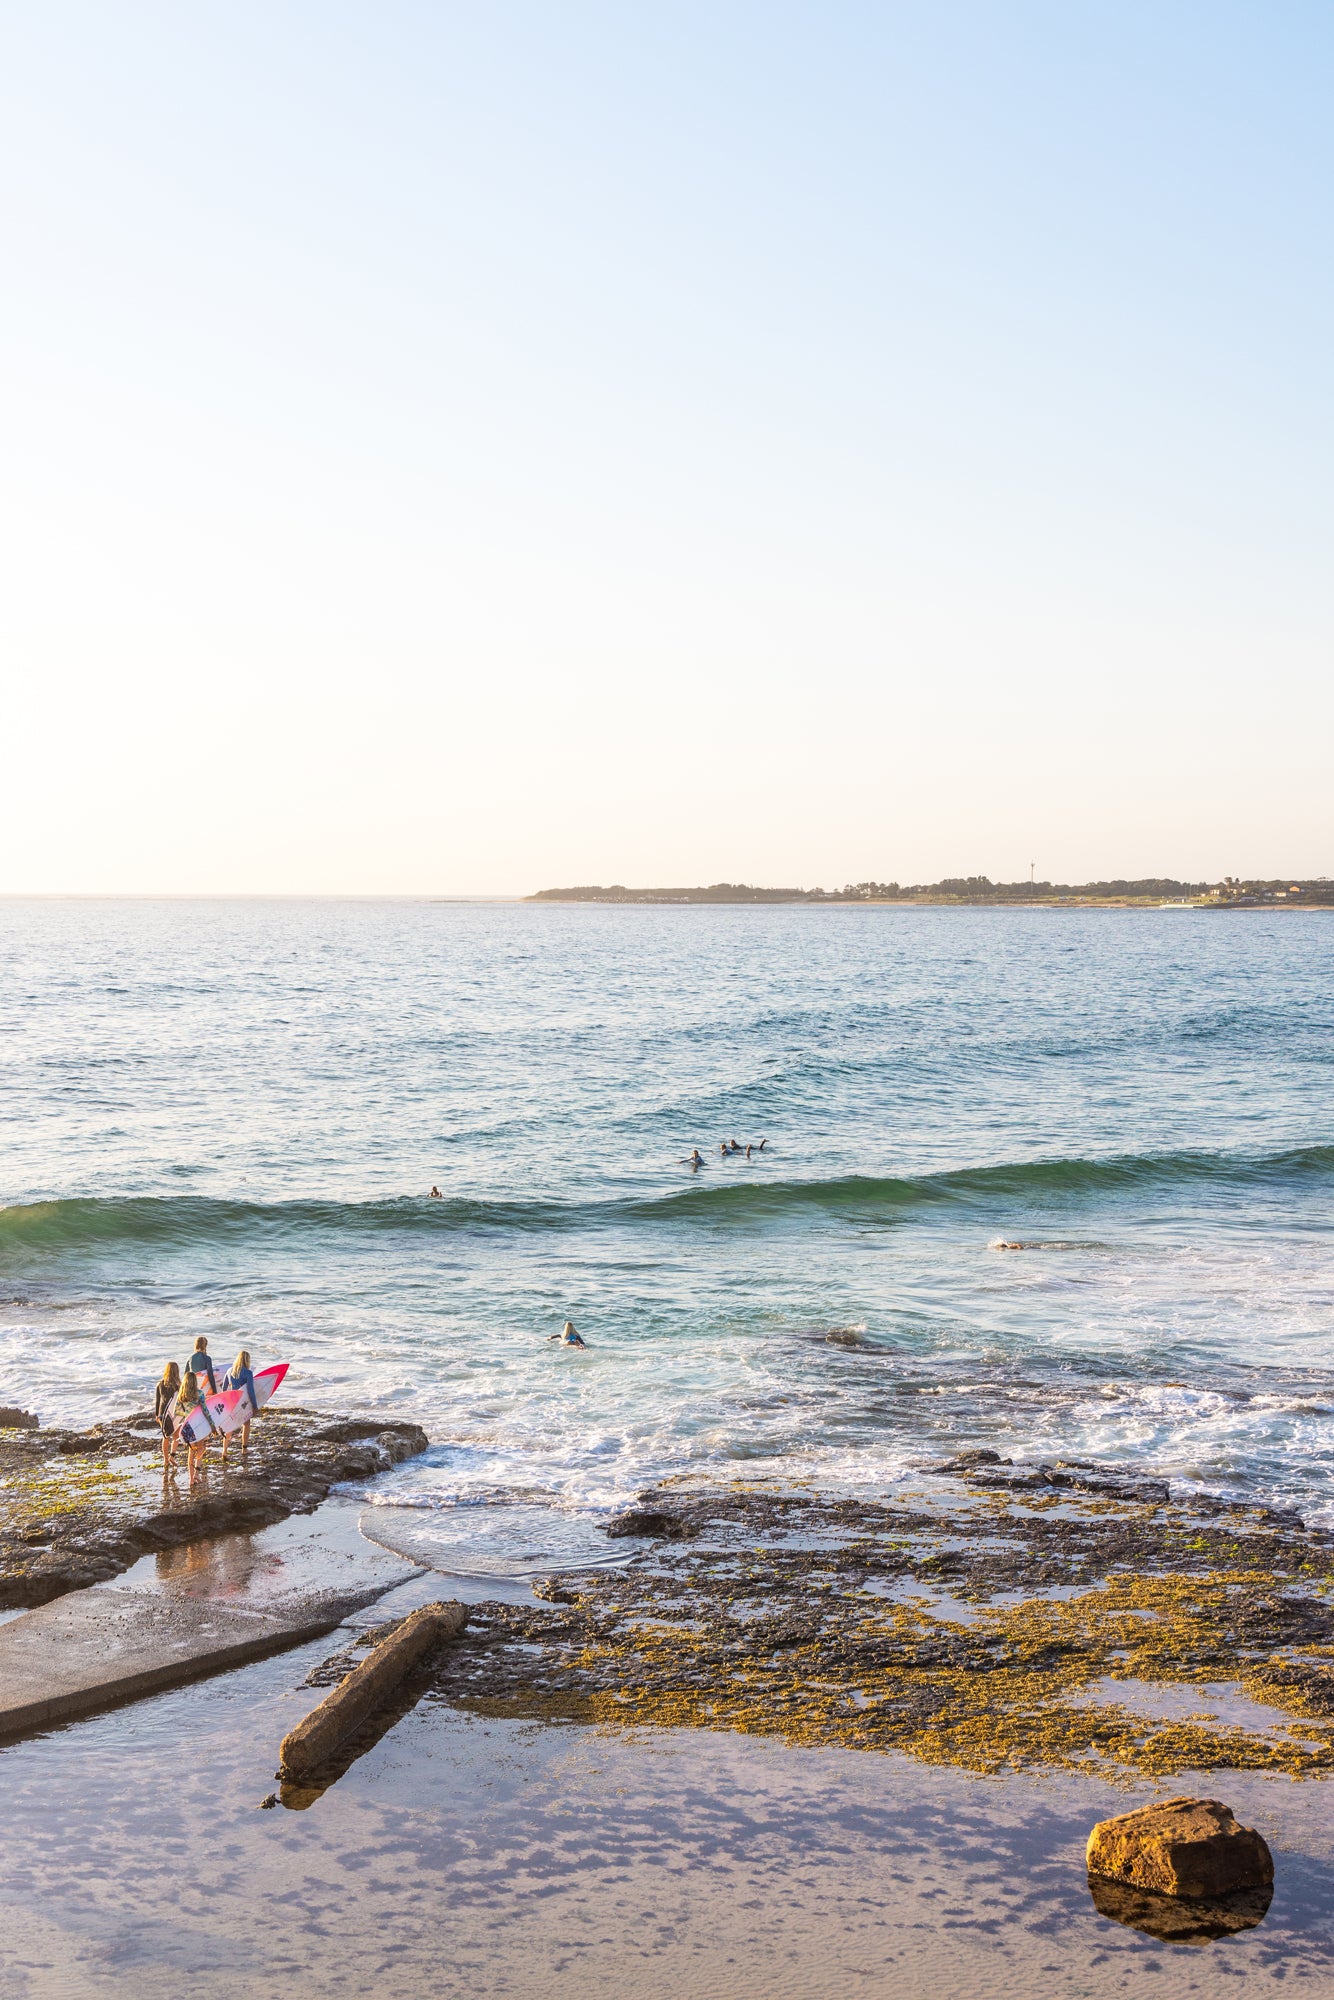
{"points": [[225, 1117]]}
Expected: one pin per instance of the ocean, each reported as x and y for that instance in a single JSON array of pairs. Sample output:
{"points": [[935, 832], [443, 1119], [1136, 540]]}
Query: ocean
{"points": [[226, 1117]]}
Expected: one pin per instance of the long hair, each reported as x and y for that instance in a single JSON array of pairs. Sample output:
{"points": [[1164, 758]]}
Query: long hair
{"points": [[242, 1361], [171, 1376], [189, 1392]]}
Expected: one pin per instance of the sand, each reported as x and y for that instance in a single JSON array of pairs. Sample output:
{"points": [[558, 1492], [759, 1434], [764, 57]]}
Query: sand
{"points": [[468, 1856]]}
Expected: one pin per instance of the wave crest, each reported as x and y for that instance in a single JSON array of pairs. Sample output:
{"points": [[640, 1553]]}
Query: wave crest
{"points": [[189, 1220]]}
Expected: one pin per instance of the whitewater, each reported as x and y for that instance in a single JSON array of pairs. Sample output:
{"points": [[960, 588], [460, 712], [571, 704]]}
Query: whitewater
{"points": [[226, 1117]]}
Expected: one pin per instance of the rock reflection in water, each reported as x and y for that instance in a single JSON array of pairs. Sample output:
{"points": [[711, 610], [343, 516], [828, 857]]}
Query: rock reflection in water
{"points": [[1179, 1919]]}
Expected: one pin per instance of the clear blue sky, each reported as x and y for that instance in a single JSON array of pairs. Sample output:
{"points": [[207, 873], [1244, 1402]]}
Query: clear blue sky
{"points": [[463, 448]]}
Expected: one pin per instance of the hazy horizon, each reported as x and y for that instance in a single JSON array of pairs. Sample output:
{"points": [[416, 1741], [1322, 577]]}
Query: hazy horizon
{"points": [[779, 445]]}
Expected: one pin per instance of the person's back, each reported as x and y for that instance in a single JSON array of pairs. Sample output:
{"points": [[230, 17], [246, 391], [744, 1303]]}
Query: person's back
{"points": [[241, 1376], [164, 1410], [201, 1362]]}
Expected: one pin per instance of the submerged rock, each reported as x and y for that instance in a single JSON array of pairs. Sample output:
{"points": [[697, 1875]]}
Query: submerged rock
{"points": [[657, 1522], [1181, 1847]]}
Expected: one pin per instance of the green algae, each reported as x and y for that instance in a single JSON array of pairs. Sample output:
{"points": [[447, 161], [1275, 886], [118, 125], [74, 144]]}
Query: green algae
{"points": [[831, 1630], [44, 1496]]}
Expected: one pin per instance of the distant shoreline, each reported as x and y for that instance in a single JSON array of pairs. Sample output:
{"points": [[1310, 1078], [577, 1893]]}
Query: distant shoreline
{"points": [[658, 900]]}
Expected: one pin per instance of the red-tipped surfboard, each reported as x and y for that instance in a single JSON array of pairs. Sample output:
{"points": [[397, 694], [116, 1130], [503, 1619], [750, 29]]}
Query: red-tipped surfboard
{"points": [[221, 1411]]}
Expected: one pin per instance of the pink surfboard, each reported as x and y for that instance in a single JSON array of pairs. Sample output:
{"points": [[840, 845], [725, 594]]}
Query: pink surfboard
{"points": [[222, 1411]]}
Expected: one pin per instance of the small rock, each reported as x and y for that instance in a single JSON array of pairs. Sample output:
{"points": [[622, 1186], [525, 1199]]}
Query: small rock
{"points": [[1181, 1847], [12, 1419]]}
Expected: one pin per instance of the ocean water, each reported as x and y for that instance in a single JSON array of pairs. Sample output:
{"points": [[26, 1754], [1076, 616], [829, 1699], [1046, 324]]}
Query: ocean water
{"points": [[224, 1118]]}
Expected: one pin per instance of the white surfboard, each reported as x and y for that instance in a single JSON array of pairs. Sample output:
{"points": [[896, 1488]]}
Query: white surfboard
{"points": [[220, 1412]]}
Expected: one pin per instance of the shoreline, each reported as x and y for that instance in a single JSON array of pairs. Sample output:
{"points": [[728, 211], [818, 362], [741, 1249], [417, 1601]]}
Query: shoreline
{"points": [[1145, 903], [462, 1854], [793, 1733], [985, 1614]]}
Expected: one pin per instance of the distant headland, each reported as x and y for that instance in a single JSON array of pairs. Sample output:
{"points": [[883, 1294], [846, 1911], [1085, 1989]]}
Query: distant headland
{"points": [[974, 891]]}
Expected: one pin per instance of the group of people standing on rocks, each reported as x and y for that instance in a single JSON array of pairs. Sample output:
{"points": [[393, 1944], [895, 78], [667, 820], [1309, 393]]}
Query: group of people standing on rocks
{"points": [[726, 1148], [178, 1394]]}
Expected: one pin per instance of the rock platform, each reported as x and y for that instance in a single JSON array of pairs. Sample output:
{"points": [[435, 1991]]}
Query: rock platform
{"points": [[79, 1507]]}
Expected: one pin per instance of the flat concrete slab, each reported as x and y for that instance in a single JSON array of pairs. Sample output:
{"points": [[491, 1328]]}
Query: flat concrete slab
{"points": [[95, 1647], [187, 1613]]}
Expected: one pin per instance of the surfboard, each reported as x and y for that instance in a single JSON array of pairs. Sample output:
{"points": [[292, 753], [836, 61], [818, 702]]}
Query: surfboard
{"points": [[222, 1411]]}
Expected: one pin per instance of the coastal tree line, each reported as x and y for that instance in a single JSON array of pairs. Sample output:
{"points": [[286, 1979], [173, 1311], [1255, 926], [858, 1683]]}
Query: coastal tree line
{"points": [[972, 889]]}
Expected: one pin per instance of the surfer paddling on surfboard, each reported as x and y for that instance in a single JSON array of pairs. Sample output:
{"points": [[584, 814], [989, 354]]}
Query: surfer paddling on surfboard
{"points": [[569, 1335]]}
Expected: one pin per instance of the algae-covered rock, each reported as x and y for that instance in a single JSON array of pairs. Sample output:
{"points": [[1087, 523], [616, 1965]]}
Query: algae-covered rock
{"points": [[651, 1521], [989, 1629], [1181, 1847], [78, 1507]]}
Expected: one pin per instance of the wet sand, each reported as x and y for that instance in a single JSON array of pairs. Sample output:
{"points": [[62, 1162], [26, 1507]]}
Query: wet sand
{"points": [[469, 1855], [488, 1840]]}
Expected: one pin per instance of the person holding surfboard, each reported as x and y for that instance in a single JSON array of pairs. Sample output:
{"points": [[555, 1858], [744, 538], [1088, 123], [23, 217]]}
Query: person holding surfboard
{"points": [[164, 1409], [201, 1363], [239, 1376], [187, 1401]]}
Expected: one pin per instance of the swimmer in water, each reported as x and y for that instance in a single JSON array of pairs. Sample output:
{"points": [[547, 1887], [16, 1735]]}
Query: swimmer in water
{"points": [[1007, 1246], [435, 1195], [569, 1335], [695, 1159]]}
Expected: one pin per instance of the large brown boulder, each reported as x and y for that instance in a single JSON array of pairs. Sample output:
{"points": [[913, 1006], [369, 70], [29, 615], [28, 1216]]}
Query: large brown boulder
{"points": [[1181, 1847]]}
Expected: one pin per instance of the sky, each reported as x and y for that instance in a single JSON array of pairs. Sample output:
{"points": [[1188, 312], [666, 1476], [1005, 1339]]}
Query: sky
{"points": [[456, 449]]}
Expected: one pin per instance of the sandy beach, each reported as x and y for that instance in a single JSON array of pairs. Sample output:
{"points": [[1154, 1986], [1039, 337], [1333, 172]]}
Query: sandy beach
{"points": [[464, 1856], [498, 1834]]}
